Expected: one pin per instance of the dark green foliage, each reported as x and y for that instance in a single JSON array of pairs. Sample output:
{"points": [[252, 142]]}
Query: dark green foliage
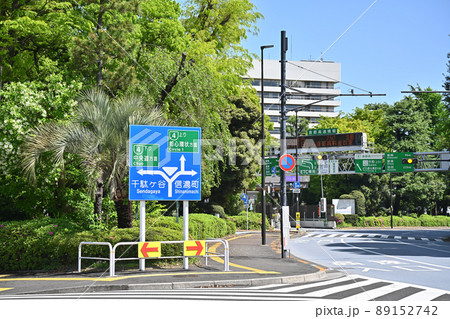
{"points": [[254, 220], [203, 226], [52, 244], [360, 201], [352, 219]]}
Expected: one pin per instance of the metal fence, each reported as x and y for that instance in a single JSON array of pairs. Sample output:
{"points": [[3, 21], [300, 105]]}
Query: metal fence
{"points": [[112, 253]]}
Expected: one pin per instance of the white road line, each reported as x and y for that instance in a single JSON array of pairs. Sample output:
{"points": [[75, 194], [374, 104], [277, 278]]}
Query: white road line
{"points": [[428, 294], [392, 256], [328, 291], [375, 293], [315, 284]]}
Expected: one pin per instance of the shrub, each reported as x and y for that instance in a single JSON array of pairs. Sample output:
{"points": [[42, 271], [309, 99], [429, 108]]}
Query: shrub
{"points": [[52, 244], [203, 226], [352, 219], [254, 220], [360, 201], [434, 221], [339, 218]]}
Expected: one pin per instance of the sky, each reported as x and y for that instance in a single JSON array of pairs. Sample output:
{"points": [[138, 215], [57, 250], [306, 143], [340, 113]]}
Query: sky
{"points": [[383, 46]]}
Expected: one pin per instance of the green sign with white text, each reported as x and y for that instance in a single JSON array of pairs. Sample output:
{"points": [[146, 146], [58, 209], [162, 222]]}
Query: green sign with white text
{"points": [[393, 162], [368, 163], [145, 155], [322, 131], [183, 141], [307, 167], [272, 166]]}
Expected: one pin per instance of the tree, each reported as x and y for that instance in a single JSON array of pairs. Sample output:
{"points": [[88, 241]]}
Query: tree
{"points": [[98, 134], [25, 105], [408, 124], [34, 38], [302, 126], [192, 69], [440, 118], [239, 163], [104, 45]]}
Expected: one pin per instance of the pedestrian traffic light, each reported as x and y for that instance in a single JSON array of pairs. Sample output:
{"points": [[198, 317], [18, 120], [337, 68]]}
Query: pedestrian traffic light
{"points": [[409, 160], [323, 205], [321, 157]]}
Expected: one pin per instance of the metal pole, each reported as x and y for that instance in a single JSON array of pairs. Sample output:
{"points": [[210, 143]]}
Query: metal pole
{"points": [[392, 208], [263, 161], [142, 231], [185, 230], [284, 45], [321, 184]]}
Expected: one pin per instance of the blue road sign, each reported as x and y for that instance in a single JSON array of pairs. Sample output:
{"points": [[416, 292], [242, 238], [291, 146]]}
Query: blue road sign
{"points": [[296, 185], [165, 163], [287, 162]]}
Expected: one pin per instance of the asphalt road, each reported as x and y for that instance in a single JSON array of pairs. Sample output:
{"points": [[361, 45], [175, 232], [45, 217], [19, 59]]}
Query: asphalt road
{"points": [[411, 256]]}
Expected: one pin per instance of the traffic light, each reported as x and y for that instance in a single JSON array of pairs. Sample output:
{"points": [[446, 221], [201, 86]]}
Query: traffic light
{"points": [[321, 157], [409, 160], [323, 205]]}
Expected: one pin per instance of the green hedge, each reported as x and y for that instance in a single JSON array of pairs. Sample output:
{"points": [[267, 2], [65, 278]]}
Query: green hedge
{"points": [[254, 220], [52, 244], [434, 221], [385, 221]]}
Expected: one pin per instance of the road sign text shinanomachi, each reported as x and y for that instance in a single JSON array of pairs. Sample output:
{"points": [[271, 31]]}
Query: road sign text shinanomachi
{"points": [[165, 163]]}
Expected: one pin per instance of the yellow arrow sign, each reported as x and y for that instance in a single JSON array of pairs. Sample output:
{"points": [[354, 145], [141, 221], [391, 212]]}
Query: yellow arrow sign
{"points": [[149, 249], [194, 248]]}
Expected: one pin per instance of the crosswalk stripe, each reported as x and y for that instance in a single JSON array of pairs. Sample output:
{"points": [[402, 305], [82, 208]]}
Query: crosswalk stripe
{"points": [[399, 294], [306, 286], [332, 290], [358, 235], [428, 294]]}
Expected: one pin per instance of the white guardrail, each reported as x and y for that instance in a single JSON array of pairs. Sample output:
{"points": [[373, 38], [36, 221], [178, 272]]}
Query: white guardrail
{"points": [[112, 253]]}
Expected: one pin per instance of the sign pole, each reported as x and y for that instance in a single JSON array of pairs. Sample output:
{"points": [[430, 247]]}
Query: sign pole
{"points": [[392, 208], [142, 231], [283, 149], [185, 230]]}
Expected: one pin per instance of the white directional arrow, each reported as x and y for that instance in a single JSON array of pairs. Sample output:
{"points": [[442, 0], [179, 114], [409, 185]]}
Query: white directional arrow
{"points": [[182, 163], [170, 171]]}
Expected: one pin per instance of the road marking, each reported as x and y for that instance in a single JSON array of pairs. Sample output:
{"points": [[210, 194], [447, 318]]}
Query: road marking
{"points": [[400, 258], [4, 289], [213, 248]]}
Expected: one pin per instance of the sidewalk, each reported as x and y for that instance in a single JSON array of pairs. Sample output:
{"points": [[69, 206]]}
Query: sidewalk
{"points": [[251, 264]]}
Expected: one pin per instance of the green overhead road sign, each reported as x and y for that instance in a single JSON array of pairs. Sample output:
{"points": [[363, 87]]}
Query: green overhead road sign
{"points": [[369, 163], [393, 162], [307, 167], [272, 167], [323, 131]]}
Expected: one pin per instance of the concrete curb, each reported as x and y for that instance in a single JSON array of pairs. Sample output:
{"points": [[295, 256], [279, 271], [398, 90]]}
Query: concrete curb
{"points": [[190, 284]]}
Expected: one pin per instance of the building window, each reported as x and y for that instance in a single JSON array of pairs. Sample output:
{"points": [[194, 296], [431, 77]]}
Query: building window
{"points": [[272, 95]]}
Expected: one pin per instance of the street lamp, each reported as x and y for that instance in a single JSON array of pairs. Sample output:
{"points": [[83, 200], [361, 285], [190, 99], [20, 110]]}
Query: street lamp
{"points": [[263, 161]]}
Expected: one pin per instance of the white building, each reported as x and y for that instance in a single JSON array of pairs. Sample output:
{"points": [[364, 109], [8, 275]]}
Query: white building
{"points": [[315, 78]]}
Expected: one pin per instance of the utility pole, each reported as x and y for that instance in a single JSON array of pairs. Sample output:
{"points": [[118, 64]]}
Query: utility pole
{"points": [[283, 150], [263, 161]]}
